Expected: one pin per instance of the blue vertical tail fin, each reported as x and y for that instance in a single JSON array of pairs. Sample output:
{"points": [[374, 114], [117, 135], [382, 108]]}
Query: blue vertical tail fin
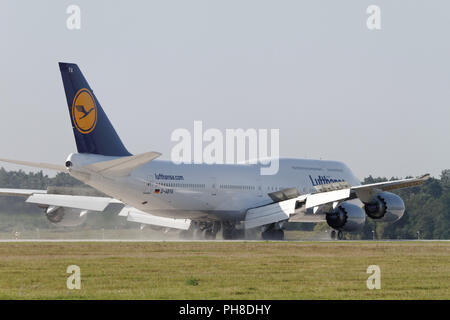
{"points": [[93, 131]]}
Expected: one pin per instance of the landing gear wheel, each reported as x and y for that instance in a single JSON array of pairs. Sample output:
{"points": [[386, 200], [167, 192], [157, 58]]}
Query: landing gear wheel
{"points": [[340, 235], [279, 235], [199, 234], [187, 234], [210, 235], [273, 234], [227, 231], [333, 234], [238, 234], [227, 234]]}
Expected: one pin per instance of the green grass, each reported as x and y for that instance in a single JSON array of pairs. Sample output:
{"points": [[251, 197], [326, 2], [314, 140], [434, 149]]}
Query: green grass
{"points": [[225, 270]]}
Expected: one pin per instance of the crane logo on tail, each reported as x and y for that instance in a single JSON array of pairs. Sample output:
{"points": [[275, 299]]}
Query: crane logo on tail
{"points": [[84, 111]]}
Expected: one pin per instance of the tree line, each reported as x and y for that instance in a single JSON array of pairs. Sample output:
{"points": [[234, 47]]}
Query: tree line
{"points": [[427, 214]]}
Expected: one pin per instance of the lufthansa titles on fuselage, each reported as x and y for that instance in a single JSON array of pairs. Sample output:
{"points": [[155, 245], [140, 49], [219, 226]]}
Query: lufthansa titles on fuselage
{"points": [[323, 180], [160, 176]]}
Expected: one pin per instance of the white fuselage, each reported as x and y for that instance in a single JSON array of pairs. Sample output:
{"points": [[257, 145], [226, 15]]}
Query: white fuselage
{"points": [[202, 191]]}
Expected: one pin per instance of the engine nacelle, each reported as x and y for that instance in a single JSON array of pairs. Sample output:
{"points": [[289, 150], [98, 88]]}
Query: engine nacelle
{"points": [[66, 217], [385, 207], [347, 217]]}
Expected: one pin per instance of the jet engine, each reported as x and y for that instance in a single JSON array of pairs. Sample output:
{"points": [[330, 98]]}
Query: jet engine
{"points": [[385, 207], [66, 217], [347, 217]]}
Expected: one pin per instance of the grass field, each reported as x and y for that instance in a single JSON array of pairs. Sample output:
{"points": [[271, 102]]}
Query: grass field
{"points": [[225, 270]]}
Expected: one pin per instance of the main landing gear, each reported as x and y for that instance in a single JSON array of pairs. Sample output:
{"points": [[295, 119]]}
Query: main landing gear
{"points": [[273, 232], [339, 233], [201, 231], [230, 232]]}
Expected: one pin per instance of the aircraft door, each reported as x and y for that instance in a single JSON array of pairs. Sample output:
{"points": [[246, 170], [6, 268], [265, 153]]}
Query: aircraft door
{"points": [[214, 187], [259, 187], [149, 185]]}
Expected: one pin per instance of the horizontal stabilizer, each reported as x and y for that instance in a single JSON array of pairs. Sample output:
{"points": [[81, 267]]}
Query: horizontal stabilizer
{"points": [[123, 166], [40, 165]]}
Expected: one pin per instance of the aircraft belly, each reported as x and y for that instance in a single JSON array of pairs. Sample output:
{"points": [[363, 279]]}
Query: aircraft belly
{"points": [[196, 214]]}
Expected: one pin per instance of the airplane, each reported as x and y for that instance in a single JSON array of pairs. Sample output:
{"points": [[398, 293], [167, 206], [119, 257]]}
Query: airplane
{"points": [[203, 199]]}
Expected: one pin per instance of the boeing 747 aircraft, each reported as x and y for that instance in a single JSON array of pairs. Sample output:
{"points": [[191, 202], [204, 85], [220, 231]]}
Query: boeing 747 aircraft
{"points": [[203, 198]]}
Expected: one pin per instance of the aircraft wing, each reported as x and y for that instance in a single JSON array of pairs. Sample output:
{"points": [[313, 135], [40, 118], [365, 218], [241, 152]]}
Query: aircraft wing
{"points": [[367, 191], [282, 210], [136, 215], [20, 192], [395, 184], [68, 201], [364, 192], [274, 212], [93, 204]]}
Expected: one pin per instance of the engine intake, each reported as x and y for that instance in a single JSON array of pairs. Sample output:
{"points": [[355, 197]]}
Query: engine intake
{"points": [[385, 207], [347, 217]]}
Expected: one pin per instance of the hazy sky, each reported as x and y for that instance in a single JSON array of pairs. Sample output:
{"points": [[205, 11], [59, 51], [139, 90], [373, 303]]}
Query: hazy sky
{"points": [[377, 100]]}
